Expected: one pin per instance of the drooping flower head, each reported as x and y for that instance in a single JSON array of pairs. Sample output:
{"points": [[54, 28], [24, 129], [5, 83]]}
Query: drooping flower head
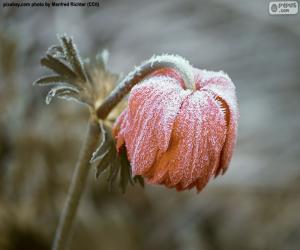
{"points": [[177, 136]]}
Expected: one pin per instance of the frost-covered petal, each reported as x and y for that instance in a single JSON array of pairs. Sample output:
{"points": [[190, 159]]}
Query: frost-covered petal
{"points": [[219, 85], [212, 135], [196, 142], [152, 109]]}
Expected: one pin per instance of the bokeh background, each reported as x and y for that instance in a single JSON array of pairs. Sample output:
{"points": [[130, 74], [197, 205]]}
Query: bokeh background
{"points": [[255, 205]]}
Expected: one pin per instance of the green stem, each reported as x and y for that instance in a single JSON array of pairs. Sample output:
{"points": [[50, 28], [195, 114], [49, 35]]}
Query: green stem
{"points": [[139, 73], [76, 187]]}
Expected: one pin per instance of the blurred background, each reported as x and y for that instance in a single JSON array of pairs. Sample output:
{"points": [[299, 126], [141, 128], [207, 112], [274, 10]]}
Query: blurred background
{"points": [[255, 205]]}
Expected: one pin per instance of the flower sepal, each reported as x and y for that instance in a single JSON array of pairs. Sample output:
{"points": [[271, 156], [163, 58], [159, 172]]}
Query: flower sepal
{"points": [[113, 163]]}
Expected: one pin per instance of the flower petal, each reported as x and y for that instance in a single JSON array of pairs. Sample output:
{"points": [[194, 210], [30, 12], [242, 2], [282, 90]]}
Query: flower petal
{"points": [[196, 142], [221, 87], [152, 109]]}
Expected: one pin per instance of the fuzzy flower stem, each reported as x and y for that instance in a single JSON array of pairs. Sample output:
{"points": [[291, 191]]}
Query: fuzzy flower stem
{"points": [[139, 73], [76, 187]]}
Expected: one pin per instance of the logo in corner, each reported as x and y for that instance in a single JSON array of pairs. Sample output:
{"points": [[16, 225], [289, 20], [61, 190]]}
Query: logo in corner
{"points": [[283, 8]]}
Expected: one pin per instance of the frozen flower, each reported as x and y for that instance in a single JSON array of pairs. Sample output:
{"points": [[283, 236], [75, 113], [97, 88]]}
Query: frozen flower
{"points": [[176, 136]]}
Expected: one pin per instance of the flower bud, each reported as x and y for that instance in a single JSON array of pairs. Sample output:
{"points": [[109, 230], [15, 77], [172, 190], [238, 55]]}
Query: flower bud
{"points": [[177, 136]]}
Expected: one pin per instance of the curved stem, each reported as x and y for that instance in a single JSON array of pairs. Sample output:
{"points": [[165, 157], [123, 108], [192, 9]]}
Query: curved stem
{"points": [[76, 187], [139, 73], [81, 171]]}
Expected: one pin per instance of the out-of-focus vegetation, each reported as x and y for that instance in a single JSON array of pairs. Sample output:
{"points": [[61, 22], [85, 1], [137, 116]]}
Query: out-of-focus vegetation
{"points": [[254, 206]]}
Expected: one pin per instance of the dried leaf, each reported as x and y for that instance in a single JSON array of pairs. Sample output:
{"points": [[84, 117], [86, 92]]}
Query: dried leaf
{"points": [[50, 80], [125, 175], [90, 77], [58, 67], [109, 159], [63, 92], [72, 56], [104, 145], [107, 156], [103, 164], [114, 169], [140, 180]]}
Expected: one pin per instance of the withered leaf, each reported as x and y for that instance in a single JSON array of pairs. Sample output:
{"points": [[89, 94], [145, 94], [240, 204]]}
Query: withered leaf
{"points": [[116, 163], [58, 67], [139, 179], [63, 92], [72, 56], [50, 80]]}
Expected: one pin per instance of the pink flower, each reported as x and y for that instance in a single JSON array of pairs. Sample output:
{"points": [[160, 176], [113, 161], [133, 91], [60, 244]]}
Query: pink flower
{"points": [[178, 137]]}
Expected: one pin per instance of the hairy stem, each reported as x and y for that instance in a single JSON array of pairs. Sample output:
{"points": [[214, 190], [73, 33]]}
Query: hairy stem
{"points": [[139, 73], [76, 187]]}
